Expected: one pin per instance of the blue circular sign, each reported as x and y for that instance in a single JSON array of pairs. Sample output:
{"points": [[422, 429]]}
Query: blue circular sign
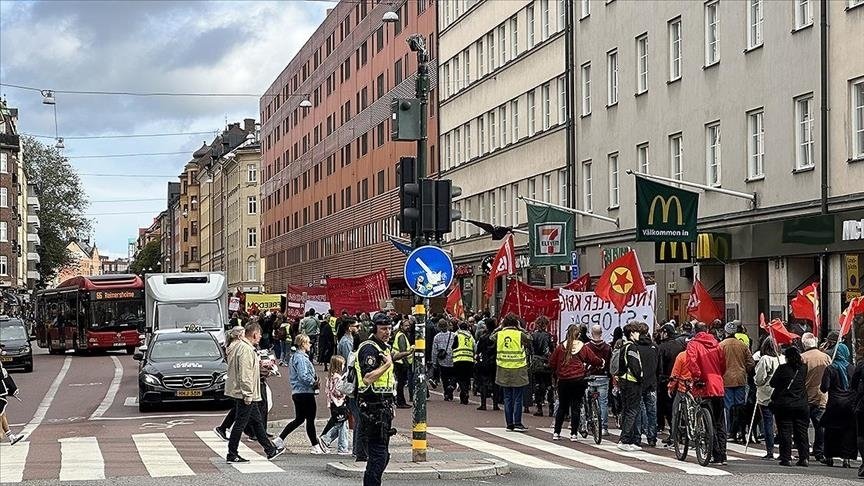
{"points": [[428, 271]]}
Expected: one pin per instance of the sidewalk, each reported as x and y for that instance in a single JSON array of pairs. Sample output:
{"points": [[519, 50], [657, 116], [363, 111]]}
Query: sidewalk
{"points": [[408, 471]]}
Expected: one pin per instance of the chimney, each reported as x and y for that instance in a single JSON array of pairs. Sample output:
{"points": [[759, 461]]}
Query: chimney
{"points": [[233, 126], [249, 124]]}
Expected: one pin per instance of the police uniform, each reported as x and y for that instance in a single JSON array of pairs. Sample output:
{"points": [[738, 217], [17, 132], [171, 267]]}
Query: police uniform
{"points": [[376, 408], [463, 363], [403, 367]]}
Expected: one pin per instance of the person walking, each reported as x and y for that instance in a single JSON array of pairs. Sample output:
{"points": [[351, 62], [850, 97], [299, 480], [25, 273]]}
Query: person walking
{"points": [[463, 361], [8, 389], [648, 357], [485, 367], [707, 363], [337, 425], [668, 349], [739, 362], [243, 384], [629, 377], [840, 438], [767, 365], [403, 367], [599, 375], [310, 326], [442, 355], [790, 407], [570, 363], [542, 345], [856, 383], [816, 361], [348, 342], [511, 368], [326, 343], [304, 382]]}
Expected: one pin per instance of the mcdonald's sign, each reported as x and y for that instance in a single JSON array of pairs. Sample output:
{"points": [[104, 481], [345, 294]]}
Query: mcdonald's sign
{"points": [[673, 252], [715, 247], [665, 213]]}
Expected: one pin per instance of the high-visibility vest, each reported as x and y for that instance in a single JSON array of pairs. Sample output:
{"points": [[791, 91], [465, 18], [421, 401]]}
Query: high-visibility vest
{"points": [[510, 354], [464, 352], [385, 384], [397, 348]]}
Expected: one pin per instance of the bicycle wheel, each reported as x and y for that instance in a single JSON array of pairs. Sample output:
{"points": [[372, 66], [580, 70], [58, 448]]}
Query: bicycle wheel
{"points": [[595, 422], [704, 436], [680, 438], [585, 416]]}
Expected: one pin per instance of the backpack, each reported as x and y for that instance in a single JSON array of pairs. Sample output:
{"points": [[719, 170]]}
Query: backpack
{"points": [[618, 355], [348, 384]]}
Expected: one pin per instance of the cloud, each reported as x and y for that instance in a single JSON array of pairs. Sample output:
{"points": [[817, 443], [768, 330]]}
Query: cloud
{"points": [[204, 47]]}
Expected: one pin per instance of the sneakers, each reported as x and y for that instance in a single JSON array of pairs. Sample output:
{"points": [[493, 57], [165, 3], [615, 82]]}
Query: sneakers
{"points": [[634, 448], [14, 439], [236, 460], [556, 436], [318, 449], [574, 438], [278, 452], [324, 442], [605, 432], [344, 453], [221, 433], [520, 428], [279, 443], [629, 447]]}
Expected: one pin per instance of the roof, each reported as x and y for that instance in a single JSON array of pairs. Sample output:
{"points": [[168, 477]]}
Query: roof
{"points": [[104, 282]]}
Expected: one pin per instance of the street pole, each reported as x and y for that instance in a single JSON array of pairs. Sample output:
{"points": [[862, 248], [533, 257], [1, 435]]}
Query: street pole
{"points": [[418, 432]]}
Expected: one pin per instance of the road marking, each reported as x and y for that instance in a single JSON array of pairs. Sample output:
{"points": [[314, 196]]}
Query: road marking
{"points": [[160, 457], [561, 451], [166, 416], [131, 402], [45, 404], [14, 459], [112, 389], [256, 464], [81, 459], [85, 384], [509, 455], [751, 450], [729, 446]]}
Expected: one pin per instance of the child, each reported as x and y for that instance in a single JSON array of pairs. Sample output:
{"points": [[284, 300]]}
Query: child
{"points": [[337, 425], [8, 389]]}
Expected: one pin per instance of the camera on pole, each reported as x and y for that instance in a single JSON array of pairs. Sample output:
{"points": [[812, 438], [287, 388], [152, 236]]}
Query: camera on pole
{"points": [[406, 115]]}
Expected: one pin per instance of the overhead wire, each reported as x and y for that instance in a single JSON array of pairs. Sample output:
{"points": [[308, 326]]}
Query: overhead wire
{"points": [[153, 93], [135, 135], [109, 156]]}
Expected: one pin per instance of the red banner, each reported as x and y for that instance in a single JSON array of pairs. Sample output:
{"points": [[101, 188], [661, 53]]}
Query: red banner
{"points": [[358, 294], [295, 298], [530, 302]]}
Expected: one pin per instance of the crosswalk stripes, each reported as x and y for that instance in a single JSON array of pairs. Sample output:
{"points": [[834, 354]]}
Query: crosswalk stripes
{"points": [[14, 460], [257, 463], [730, 446], [160, 457], [81, 459], [509, 455]]}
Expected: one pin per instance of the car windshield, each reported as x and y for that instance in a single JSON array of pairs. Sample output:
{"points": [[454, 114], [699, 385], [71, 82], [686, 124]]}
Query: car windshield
{"points": [[10, 332], [170, 348], [178, 315]]}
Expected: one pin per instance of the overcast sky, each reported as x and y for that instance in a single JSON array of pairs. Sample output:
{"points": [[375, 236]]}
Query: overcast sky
{"points": [[201, 47]]}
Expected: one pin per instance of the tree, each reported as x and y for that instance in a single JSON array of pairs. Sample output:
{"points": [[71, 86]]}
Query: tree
{"points": [[62, 203], [149, 257]]}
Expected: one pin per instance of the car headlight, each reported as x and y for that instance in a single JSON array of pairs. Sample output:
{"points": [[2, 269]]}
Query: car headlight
{"points": [[24, 349], [150, 379], [220, 378]]}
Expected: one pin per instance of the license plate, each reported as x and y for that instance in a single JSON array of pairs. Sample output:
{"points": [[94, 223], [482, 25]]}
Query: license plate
{"points": [[189, 393], [5, 359]]}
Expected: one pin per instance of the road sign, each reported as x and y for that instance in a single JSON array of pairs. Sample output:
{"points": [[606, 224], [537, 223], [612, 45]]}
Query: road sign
{"points": [[574, 265], [428, 271]]}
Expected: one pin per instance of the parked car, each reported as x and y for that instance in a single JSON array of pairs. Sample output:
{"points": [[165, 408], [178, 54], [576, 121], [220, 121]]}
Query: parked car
{"points": [[15, 350]]}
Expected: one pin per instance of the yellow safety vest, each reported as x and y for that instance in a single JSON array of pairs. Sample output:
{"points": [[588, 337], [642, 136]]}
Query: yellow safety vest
{"points": [[385, 384], [397, 348], [510, 354], [464, 352]]}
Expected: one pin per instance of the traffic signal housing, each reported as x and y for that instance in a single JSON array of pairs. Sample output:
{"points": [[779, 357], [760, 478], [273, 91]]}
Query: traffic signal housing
{"points": [[445, 213], [409, 195], [406, 115]]}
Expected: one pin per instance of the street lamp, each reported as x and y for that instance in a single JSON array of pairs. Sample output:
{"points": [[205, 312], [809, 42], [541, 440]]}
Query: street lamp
{"points": [[48, 97], [390, 17], [306, 103], [59, 144]]}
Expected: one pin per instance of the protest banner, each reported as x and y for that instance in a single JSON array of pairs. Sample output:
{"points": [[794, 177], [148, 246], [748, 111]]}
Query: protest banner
{"points": [[262, 302], [234, 304], [320, 307], [297, 295], [586, 308]]}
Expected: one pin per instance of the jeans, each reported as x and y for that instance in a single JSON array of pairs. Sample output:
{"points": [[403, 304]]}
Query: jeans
{"points": [[646, 421], [358, 442], [305, 410], [277, 348], [248, 415], [819, 434], [734, 399], [631, 401], [718, 415], [600, 384], [512, 405], [768, 428], [570, 396], [339, 430]]}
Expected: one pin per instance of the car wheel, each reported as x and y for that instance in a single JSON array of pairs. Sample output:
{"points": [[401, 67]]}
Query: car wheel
{"points": [[144, 407], [130, 350]]}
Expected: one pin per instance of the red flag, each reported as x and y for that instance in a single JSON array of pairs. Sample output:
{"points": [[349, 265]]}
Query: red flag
{"points": [[358, 294], [777, 331], [856, 306], [454, 305], [580, 284], [503, 264], [805, 305], [701, 306], [621, 279]]}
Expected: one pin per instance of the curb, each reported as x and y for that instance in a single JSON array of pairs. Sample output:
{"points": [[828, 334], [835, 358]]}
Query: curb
{"points": [[409, 471]]}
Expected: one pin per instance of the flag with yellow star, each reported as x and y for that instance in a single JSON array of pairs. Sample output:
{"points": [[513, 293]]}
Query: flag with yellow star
{"points": [[621, 279]]}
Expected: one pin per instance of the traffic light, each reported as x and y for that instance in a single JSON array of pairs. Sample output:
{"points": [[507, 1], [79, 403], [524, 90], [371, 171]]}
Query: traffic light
{"points": [[445, 213], [405, 125], [409, 195]]}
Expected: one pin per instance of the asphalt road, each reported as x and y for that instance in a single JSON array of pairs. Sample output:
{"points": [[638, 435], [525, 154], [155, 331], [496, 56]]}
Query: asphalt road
{"points": [[82, 423]]}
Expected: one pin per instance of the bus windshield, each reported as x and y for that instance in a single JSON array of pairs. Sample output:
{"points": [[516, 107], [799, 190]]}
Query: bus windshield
{"points": [[207, 315], [117, 315]]}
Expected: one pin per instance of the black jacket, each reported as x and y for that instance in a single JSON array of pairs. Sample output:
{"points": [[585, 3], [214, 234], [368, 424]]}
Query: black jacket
{"points": [[541, 342], [668, 350], [790, 391], [648, 355]]}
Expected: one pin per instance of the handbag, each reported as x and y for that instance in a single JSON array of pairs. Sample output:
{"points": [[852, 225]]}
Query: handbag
{"points": [[442, 353], [340, 413], [540, 365]]}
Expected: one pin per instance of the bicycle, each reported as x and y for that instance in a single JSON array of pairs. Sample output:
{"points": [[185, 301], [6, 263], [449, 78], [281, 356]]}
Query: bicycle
{"points": [[591, 420], [694, 426]]}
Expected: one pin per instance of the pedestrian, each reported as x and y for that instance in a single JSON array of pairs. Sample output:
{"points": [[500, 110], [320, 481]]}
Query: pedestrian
{"points": [[840, 438], [816, 361], [629, 378], [511, 368], [856, 383], [485, 367], [542, 345], [463, 361], [707, 364], [767, 365], [8, 389], [668, 349], [266, 323], [442, 355], [243, 384], [790, 407], [348, 343], [648, 357], [337, 425], [326, 343], [310, 326], [375, 386], [739, 362], [570, 364], [599, 375], [304, 382], [403, 367]]}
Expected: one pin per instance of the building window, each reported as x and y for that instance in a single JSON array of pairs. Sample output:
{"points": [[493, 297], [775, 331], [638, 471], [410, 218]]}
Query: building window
{"points": [[4, 231], [642, 63], [490, 45], [612, 82], [4, 197], [547, 187], [803, 13], [675, 49], [676, 156], [514, 112], [448, 161], [586, 89], [712, 153], [457, 145], [481, 135], [502, 124], [4, 265], [858, 119], [251, 173], [532, 109], [4, 163], [505, 214], [562, 14], [493, 207], [562, 100], [514, 37], [804, 133], [614, 192], [493, 138], [547, 106], [587, 195], [562, 187], [586, 9], [642, 157], [532, 188], [529, 15], [502, 43], [481, 59], [544, 11], [754, 23], [712, 32], [251, 237], [514, 194], [466, 60], [755, 145], [466, 129], [251, 270]]}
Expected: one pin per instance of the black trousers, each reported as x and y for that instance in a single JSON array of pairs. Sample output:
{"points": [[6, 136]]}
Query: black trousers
{"points": [[718, 416], [488, 389], [664, 407], [231, 416], [448, 382], [375, 427], [248, 415], [793, 425], [462, 372], [305, 409], [543, 391], [403, 373], [631, 401], [570, 396]]}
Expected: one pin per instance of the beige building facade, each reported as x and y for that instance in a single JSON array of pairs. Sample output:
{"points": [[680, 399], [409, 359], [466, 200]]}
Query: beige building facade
{"points": [[242, 213]]}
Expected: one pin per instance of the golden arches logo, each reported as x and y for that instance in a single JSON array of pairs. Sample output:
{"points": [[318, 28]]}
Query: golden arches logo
{"points": [[665, 206], [673, 250]]}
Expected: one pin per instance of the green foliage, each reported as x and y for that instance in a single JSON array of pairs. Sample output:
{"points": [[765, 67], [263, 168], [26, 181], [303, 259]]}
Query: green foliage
{"points": [[148, 257], [62, 202]]}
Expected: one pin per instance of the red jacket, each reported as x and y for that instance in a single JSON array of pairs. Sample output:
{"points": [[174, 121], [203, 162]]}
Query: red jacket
{"points": [[576, 367], [707, 364]]}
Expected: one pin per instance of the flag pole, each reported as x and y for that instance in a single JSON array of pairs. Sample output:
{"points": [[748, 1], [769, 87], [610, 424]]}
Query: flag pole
{"points": [[750, 430]]}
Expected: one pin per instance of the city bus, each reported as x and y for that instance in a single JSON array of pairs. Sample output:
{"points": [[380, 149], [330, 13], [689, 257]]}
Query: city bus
{"points": [[103, 312]]}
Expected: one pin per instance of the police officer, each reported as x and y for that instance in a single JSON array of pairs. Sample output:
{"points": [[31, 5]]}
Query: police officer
{"points": [[376, 385], [402, 367], [463, 361]]}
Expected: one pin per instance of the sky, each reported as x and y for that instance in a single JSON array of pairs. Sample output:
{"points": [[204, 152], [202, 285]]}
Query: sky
{"points": [[132, 46]]}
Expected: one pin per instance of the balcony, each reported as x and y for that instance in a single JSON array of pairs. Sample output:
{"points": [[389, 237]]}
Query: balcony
{"points": [[32, 256], [33, 203], [10, 141], [34, 239], [33, 219], [33, 275]]}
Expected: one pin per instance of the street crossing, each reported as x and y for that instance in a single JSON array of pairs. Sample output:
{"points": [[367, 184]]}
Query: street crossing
{"points": [[185, 453]]}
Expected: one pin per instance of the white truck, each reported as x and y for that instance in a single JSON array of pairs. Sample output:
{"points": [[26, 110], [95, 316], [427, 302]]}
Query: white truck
{"points": [[176, 300]]}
